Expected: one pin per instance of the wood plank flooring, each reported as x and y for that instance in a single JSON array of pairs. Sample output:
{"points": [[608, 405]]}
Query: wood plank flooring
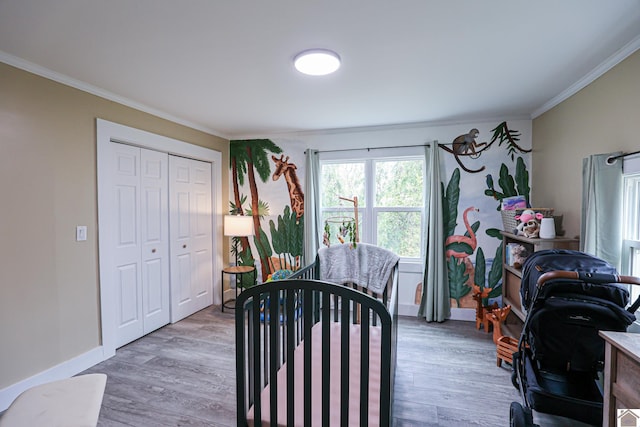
{"points": [[184, 375]]}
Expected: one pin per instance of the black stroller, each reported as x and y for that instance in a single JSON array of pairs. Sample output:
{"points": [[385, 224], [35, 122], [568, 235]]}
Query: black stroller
{"points": [[569, 296]]}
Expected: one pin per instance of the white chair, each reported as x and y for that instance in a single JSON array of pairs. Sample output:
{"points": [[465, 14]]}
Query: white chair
{"points": [[71, 402]]}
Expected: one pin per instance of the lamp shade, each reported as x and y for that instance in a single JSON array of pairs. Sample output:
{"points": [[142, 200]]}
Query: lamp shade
{"points": [[238, 225]]}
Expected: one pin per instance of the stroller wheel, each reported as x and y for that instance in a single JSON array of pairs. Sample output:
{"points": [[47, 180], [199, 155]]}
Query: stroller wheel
{"points": [[519, 416]]}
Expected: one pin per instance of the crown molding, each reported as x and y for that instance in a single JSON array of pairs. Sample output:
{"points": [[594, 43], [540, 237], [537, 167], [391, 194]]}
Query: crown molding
{"points": [[622, 54], [380, 128], [22, 64]]}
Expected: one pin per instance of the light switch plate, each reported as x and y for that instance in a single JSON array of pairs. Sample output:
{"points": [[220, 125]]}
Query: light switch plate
{"points": [[81, 233]]}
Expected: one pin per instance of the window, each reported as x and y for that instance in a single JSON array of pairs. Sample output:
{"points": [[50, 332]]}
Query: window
{"points": [[631, 230], [631, 235], [390, 195]]}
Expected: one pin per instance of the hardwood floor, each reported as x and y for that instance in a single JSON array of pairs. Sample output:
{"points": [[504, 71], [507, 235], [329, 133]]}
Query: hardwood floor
{"points": [[184, 375]]}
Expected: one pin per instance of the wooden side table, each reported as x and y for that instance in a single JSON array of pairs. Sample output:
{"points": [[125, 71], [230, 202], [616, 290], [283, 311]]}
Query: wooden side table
{"points": [[621, 374], [237, 271]]}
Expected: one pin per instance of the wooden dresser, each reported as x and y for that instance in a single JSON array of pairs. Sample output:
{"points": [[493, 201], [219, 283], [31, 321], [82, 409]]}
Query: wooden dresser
{"points": [[621, 374]]}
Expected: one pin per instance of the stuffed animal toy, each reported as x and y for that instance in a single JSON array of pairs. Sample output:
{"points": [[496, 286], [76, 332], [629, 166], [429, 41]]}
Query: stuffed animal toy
{"points": [[524, 218], [520, 254], [531, 229]]}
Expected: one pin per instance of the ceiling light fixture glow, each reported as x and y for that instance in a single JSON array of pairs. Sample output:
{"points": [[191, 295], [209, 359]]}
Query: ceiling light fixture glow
{"points": [[317, 62]]}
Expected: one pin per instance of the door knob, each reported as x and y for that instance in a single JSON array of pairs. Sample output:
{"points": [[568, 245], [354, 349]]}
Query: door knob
{"points": [[184, 246], [153, 251]]}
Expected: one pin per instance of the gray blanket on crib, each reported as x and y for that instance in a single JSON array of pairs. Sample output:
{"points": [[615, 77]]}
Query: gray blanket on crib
{"points": [[366, 265]]}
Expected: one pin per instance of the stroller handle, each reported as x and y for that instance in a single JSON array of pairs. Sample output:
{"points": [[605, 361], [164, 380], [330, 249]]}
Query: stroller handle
{"points": [[592, 278], [587, 277]]}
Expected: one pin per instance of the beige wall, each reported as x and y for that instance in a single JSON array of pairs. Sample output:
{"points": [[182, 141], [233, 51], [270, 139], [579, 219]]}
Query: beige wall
{"points": [[601, 118], [49, 291]]}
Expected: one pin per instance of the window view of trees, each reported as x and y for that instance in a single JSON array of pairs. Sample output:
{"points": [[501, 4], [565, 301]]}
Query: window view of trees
{"points": [[342, 179], [395, 189]]}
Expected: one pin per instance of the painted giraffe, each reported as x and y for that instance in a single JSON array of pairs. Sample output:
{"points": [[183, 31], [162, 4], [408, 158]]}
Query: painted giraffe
{"points": [[295, 191]]}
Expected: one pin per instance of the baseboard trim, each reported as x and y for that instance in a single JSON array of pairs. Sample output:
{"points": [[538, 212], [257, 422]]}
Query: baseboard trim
{"points": [[408, 310], [466, 314], [63, 370]]}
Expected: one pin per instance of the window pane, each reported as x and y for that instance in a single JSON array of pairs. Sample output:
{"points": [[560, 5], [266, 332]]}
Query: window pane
{"points": [[342, 179], [631, 229], [632, 208], [635, 271], [400, 232], [399, 183]]}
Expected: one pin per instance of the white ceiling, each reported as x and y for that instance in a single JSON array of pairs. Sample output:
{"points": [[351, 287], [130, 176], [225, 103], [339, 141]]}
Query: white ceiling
{"points": [[225, 66]]}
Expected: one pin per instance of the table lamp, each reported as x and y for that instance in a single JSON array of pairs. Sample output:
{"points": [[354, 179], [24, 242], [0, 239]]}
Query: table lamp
{"points": [[237, 226]]}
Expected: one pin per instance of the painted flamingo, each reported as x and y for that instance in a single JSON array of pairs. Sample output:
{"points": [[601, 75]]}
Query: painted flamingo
{"points": [[469, 240]]}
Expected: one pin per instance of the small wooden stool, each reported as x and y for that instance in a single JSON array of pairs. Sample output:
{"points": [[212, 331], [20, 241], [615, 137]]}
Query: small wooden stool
{"points": [[505, 347]]}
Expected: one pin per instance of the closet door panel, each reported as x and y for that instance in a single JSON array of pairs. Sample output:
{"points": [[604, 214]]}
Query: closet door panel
{"points": [[156, 303], [127, 211], [202, 238], [127, 287], [201, 285], [191, 240], [126, 277], [183, 275], [182, 214]]}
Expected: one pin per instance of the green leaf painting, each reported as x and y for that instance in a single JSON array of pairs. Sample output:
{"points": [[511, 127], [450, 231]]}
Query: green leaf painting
{"points": [[494, 232], [507, 136], [287, 239], [457, 279], [480, 270], [450, 203], [509, 186], [522, 179], [495, 274]]}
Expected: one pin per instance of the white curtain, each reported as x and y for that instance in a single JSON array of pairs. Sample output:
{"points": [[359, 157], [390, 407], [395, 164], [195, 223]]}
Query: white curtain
{"points": [[435, 305], [311, 204], [601, 226]]}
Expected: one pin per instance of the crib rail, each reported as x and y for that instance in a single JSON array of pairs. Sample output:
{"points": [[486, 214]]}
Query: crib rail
{"points": [[277, 319], [388, 297]]}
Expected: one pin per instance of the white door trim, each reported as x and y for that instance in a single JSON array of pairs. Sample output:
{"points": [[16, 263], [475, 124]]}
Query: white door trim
{"points": [[109, 131]]}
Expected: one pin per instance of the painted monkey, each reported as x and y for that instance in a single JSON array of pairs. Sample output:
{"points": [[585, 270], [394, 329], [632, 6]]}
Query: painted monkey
{"points": [[466, 144]]}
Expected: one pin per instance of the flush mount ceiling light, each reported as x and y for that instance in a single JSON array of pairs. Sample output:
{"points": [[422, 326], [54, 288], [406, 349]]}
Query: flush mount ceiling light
{"points": [[317, 62]]}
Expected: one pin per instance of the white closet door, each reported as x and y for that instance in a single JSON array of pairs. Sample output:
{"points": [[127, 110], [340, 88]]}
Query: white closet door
{"points": [[139, 236], [190, 236], [126, 234], [156, 304]]}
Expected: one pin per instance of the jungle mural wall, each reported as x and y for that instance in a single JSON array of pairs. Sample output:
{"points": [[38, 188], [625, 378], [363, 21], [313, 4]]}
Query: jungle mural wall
{"points": [[267, 185], [480, 168], [468, 265]]}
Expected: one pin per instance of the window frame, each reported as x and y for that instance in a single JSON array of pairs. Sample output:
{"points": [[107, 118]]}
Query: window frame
{"points": [[368, 213]]}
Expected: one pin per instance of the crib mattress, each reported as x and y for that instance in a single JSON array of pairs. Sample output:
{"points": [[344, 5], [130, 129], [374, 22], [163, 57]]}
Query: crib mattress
{"points": [[316, 378]]}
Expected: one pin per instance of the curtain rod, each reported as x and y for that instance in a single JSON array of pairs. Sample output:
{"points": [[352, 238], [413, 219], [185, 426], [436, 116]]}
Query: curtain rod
{"points": [[611, 160], [377, 148]]}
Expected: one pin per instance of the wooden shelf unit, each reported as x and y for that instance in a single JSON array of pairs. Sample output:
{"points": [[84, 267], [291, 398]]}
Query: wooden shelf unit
{"points": [[512, 277]]}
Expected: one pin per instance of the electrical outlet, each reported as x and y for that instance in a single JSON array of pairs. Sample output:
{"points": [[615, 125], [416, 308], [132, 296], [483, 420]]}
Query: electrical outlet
{"points": [[81, 233]]}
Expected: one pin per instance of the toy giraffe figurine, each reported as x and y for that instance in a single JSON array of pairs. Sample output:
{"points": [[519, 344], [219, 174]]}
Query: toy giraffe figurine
{"points": [[497, 317], [295, 190], [479, 295]]}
